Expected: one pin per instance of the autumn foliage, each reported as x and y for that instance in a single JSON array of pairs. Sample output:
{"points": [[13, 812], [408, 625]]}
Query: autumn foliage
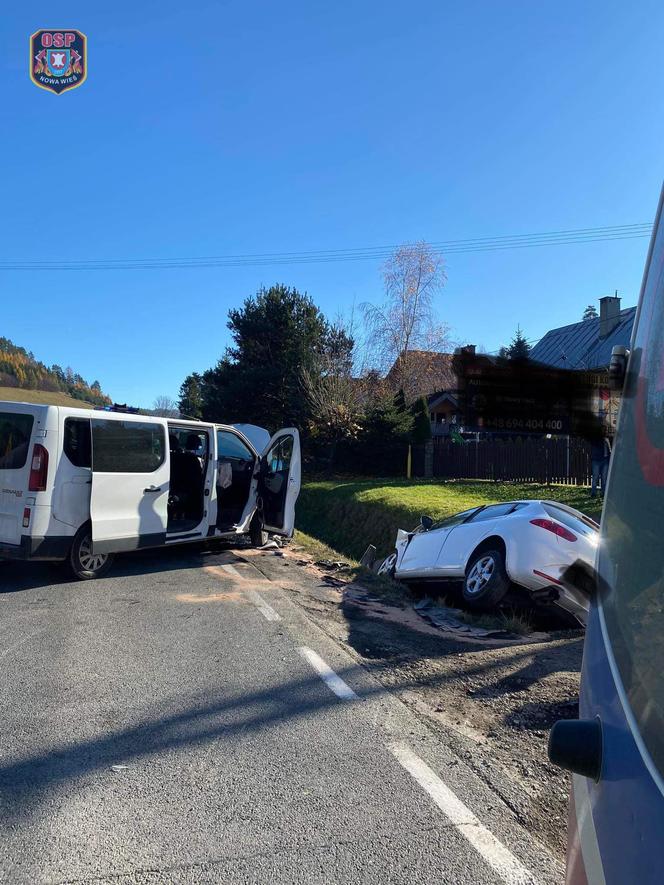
{"points": [[19, 368]]}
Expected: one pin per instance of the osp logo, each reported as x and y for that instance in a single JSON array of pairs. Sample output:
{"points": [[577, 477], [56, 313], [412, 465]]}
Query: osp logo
{"points": [[58, 59]]}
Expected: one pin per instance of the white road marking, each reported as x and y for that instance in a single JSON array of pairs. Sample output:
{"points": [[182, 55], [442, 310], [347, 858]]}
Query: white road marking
{"points": [[262, 606], [334, 683], [232, 571], [494, 852]]}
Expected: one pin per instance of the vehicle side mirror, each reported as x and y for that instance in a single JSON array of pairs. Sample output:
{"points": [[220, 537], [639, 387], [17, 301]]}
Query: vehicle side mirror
{"points": [[576, 745], [618, 367], [426, 522]]}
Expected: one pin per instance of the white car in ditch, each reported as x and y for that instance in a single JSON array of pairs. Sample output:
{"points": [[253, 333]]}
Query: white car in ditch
{"points": [[527, 543]]}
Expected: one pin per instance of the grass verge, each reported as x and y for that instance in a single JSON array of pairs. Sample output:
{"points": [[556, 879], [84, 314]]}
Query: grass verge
{"points": [[45, 397], [348, 514]]}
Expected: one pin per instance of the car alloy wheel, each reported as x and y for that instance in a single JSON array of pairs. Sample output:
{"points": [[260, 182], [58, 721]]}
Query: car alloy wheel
{"points": [[480, 575], [388, 565]]}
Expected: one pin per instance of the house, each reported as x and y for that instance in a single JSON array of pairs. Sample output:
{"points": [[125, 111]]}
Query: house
{"points": [[587, 345], [430, 374]]}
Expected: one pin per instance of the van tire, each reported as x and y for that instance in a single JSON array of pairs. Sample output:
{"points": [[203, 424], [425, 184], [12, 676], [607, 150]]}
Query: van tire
{"points": [[82, 564], [257, 534]]}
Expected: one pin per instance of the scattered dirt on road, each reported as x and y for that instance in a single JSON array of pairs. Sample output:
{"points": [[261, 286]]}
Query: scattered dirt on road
{"points": [[496, 700]]}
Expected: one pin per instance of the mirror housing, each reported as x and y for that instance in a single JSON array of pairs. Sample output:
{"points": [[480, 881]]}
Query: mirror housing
{"points": [[618, 367], [426, 522], [576, 745]]}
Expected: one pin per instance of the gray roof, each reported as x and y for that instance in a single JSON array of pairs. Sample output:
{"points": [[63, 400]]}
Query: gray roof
{"points": [[579, 346]]}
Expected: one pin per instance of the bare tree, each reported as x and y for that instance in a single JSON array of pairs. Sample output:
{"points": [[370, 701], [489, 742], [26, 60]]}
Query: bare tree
{"points": [[165, 407], [406, 320]]}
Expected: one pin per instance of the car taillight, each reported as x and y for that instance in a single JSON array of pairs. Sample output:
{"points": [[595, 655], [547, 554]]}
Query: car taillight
{"points": [[38, 469], [554, 527]]}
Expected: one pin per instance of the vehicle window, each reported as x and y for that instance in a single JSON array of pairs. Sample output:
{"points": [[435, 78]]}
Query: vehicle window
{"points": [[493, 511], [15, 433], [457, 519], [576, 523], [630, 557], [231, 447], [184, 439], [279, 456], [78, 441], [127, 446]]}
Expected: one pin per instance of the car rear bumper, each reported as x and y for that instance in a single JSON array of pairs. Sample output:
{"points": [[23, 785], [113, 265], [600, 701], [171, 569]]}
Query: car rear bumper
{"points": [[54, 548]]}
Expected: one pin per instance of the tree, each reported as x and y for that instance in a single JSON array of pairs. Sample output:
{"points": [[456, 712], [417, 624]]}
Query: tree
{"points": [[381, 445], [278, 335], [421, 420], [191, 396], [590, 313], [165, 407], [518, 349], [406, 319]]}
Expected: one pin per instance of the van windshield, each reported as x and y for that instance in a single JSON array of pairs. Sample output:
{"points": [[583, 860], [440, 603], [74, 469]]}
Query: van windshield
{"points": [[15, 433], [630, 560]]}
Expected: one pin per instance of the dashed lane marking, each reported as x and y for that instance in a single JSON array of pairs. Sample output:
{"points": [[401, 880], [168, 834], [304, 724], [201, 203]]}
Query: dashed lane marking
{"points": [[334, 683], [266, 610], [499, 858]]}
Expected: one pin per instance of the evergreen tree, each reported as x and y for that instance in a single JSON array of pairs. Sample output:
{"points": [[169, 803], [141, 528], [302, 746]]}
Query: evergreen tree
{"points": [[190, 402], [421, 420], [590, 313]]}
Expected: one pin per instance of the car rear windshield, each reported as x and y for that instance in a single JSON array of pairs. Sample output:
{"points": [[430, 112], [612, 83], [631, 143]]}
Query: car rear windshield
{"points": [[15, 433], [579, 524]]}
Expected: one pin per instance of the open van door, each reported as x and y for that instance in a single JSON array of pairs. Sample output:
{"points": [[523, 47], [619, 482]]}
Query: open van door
{"points": [[279, 481], [130, 483]]}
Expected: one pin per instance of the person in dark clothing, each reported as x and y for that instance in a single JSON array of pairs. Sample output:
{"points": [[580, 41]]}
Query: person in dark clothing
{"points": [[600, 455]]}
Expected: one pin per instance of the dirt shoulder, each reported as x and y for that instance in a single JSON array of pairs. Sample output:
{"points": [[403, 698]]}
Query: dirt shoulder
{"points": [[495, 700]]}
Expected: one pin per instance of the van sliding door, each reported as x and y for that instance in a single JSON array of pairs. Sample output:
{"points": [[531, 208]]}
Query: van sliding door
{"points": [[130, 483]]}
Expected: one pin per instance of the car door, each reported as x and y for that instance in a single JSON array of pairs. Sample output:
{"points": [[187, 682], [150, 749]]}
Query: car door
{"points": [[130, 483], [453, 556], [279, 481], [422, 554]]}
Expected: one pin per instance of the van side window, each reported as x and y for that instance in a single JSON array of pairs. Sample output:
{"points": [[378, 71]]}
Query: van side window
{"points": [[231, 447], [15, 433], [127, 446], [78, 441]]}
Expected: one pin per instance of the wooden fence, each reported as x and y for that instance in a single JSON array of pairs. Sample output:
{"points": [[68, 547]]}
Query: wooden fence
{"points": [[525, 459]]}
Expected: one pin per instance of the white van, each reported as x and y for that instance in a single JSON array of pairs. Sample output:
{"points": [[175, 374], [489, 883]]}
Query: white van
{"points": [[80, 485]]}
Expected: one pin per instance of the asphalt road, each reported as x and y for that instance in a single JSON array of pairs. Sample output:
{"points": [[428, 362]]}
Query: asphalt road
{"points": [[183, 721]]}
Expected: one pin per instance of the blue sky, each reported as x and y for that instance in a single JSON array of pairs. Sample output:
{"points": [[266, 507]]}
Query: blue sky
{"points": [[218, 128]]}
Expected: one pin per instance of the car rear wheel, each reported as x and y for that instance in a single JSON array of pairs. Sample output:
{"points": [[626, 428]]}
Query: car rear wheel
{"points": [[83, 563], [486, 581]]}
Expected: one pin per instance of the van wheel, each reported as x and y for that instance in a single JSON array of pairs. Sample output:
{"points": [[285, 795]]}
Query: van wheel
{"points": [[486, 581], [257, 534], [83, 563]]}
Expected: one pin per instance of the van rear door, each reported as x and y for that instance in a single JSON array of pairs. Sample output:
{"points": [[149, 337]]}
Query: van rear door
{"points": [[17, 423], [130, 483], [279, 481]]}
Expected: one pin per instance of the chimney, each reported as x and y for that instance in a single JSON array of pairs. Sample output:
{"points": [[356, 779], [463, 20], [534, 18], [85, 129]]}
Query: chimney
{"points": [[609, 314], [469, 349]]}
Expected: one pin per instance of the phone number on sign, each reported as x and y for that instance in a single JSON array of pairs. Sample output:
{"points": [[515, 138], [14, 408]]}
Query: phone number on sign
{"points": [[550, 424]]}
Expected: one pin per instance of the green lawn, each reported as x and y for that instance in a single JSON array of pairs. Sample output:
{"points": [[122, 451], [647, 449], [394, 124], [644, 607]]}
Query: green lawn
{"points": [[349, 514]]}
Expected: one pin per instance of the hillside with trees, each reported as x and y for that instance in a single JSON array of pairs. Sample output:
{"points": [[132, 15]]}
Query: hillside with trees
{"points": [[20, 369]]}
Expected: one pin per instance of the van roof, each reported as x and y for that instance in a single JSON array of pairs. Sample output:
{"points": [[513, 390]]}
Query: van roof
{"points": [[9, 405]]}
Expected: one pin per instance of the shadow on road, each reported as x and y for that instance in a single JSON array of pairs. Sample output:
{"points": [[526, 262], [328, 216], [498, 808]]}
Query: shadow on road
{"points": [[25, 784], [19, 576]]}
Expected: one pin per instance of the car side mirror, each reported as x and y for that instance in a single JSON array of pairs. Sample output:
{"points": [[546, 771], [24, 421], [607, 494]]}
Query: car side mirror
{"points": [[426, 522]]}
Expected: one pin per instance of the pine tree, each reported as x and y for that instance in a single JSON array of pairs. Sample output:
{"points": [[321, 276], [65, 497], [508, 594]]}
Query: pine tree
{"points": [[590, 313]]}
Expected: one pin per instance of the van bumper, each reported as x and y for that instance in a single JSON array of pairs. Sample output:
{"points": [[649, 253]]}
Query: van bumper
{"points": [[55, 547]]}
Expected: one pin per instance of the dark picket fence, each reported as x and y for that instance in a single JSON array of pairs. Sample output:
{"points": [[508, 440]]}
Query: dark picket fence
{"points": [[525, 459]]}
